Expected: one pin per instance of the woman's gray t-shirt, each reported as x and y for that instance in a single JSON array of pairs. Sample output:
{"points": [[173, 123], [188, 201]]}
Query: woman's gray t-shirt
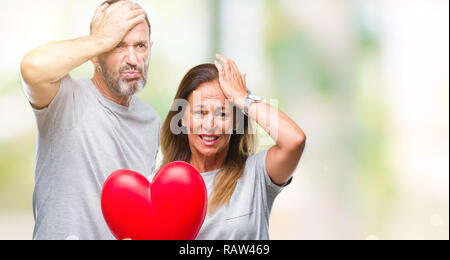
{"points": [[246, 216]]}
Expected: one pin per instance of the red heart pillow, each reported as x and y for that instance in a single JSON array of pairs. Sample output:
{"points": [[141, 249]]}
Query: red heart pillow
{"points": [[172, 207]]}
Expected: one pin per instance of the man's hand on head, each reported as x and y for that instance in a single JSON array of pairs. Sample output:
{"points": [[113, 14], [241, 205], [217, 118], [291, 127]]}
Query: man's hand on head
{"points": [[111, 23]]}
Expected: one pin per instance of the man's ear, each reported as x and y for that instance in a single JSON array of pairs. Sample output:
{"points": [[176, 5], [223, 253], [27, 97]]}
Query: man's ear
{"points": [[95, 61], [151, 44]]}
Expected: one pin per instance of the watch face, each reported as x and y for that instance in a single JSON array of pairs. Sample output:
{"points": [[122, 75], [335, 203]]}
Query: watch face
{"points": [[254, 97]]}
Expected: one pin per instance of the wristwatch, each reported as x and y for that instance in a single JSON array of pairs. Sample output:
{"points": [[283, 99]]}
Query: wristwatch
{"points": [[249, 101]]}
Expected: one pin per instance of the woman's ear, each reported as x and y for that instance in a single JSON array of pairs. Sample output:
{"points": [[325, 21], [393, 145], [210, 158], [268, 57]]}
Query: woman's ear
{"points": [[185, 129], [239, 121], [236, 119]]}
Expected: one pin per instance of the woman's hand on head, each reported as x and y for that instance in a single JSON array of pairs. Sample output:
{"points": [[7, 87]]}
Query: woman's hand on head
{"points": [[282, 158], [232, 82]]}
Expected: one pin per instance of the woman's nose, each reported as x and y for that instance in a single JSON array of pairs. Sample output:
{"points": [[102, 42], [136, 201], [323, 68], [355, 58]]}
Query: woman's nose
{"points": [[209, 122]]}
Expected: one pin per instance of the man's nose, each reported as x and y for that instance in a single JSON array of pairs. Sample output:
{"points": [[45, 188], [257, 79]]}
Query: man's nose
{"points": [[131, 56]]}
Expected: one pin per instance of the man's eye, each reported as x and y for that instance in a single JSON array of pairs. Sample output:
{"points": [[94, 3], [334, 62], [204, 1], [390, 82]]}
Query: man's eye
{"points": [[141, 46]]}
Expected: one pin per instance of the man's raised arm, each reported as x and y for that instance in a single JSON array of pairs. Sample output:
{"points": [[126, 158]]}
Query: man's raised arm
{"points": [[44, 67]]}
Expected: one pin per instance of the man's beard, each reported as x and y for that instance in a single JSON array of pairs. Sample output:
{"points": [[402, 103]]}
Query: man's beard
{"points": [[122, 86]]}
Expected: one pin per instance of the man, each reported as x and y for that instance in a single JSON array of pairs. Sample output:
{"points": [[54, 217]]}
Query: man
{"points": [[88, 129]]}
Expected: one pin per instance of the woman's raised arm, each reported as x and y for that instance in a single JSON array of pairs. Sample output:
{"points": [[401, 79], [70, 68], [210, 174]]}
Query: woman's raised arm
{"points": [[284, 156]]}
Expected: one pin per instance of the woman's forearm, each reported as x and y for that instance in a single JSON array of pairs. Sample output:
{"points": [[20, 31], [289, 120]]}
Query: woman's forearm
{"points": [[283, 158], [285, 132]]}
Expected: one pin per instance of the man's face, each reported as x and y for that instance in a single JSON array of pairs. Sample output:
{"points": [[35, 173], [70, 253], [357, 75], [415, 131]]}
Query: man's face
{"points": [[125, 68]]}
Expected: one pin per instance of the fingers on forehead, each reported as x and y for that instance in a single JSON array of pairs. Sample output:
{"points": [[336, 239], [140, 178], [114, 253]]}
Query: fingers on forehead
{"points": [[124, 3]]}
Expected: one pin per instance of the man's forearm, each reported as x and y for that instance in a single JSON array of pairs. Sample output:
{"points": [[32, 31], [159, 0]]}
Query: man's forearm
{"points": [[51, 62]]}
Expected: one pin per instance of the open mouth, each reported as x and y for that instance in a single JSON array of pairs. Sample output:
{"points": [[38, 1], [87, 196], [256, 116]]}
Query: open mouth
{"points": [[209, 140]]}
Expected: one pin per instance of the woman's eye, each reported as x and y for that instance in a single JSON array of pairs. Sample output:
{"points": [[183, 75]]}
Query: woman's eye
{"points": [[221, 114]]}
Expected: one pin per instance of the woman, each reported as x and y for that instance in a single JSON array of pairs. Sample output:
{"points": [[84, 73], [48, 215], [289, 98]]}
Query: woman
{"points": [[241, 185]]}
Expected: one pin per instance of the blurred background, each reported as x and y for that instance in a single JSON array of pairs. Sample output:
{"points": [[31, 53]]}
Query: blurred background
{"points": [[367, 80]]}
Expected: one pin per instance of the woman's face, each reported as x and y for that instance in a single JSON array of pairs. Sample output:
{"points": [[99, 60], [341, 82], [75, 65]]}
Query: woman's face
{"points": [[210, 118]]}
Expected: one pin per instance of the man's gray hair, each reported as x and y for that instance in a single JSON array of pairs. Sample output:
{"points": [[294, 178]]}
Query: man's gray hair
{"points": [[110, 2]]}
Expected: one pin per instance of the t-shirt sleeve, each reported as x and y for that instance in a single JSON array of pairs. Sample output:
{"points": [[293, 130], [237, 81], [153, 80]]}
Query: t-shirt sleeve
{"points": [[271, 188], [63, 111], [156, 160]]}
